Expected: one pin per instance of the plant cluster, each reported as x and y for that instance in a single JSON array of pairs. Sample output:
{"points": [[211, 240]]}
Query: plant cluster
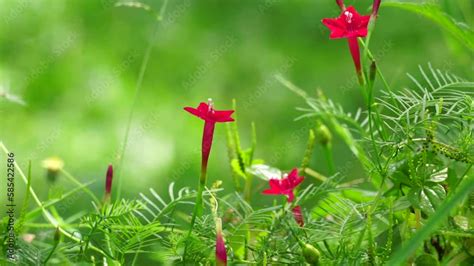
{"points": [[413, 203]]}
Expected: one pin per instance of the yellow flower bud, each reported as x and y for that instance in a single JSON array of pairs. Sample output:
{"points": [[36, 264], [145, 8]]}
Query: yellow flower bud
{"points": [[53, 165]]}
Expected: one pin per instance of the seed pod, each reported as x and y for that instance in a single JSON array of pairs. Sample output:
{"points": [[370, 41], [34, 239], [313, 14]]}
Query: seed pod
{"points": [[311, 254]]}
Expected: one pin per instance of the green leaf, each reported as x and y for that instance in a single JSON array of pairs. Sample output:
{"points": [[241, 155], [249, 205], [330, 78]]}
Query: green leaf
{"points": [[439, 176], [236, 168], [433, 12], [427, 198], [359, 195]]}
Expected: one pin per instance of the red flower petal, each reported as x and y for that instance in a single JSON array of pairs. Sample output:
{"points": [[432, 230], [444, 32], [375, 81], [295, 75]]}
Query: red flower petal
{"points": [[349, 24], [207, 113], [193, 111], [223, 116]]}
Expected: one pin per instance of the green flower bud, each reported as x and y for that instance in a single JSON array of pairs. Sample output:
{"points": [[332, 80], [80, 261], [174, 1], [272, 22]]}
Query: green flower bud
{"points": [[311, 254], [323, 135], [372, 72], [57, 235]]}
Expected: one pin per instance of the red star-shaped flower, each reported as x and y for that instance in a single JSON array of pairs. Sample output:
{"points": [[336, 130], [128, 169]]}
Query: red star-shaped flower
{"points": [[207, 113], [285, 186], [350, 24]]}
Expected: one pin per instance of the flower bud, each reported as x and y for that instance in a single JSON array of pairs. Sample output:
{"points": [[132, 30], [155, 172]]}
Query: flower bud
{"points": [[375, 7], [57, 235], [323, 135], [340, 3], [373, 71], [108, 183], [221, 253], [298, 215], [311, 254], [53, 166]]}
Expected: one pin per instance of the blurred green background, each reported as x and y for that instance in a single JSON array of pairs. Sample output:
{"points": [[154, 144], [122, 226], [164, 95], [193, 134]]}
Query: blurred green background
{"points": [[75, 63]]}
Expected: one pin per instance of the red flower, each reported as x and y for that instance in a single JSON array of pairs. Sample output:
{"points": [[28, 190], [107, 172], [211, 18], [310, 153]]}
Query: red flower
{"points": [[349, 24], [285, 186], [108, 182], [221, 253], [210, 116], [207, 113]]}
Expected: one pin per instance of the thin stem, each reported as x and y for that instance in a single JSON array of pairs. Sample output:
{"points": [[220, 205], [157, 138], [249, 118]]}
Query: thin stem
{"points": [[379, 72], [248, 188], [138, 87], [51, 253]]}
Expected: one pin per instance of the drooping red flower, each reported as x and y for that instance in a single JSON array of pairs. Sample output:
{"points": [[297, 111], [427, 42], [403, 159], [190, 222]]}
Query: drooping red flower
{"points": [[285, 186], [221, 253], [108, 182], [350, 24]]}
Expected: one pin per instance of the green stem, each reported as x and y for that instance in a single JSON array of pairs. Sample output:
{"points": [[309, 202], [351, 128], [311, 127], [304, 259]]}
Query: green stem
{"points": [[198, 208], [138, 87], [51, 253], [248, 188]]}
